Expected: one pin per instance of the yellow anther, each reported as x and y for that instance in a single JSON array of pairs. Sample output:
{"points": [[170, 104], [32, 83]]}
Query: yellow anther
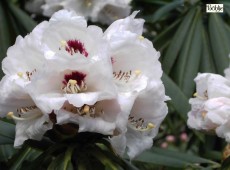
{"points": [[86, 109], [137, 72], [72, 82], [20, 74], [63, 43], [151, 126], [141, 37], [195, 94], [10, 115], [203, 114]]}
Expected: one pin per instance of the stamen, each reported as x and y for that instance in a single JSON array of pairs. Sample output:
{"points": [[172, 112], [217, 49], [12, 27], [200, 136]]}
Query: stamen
{"points": [[200, 97], [195, 94], [141, 37], [203, 114], [29, 74], [127, 76], [138, 124], [20, 74], [63, 43], [73, 46], [72, 87], [23, 110], [137, 72], [74, 83], [151, 126], [85, 110], [11, 115]]}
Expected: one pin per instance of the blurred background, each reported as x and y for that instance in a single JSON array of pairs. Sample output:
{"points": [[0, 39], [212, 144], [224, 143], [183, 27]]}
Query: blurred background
{"points": [[190, 41]]}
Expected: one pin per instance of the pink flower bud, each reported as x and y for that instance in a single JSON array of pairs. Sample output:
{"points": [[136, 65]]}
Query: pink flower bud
{"points": [[184, 137], [170, 138], [164, 145]]}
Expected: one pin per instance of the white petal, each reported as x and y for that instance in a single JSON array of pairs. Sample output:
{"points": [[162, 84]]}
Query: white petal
{"points": [[137, 143], [33, 129], [12, 95], [127, 24]]}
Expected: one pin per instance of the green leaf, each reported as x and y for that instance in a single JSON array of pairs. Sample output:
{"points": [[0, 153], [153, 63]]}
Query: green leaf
{"points": [[181, 156], [178, 99], [207, 63], [220, 41], [98, 154], [6, 152], [4, 32], [160, 13], [18, 159], [177, 42], [46, 155], [62, 162], [156, 159], [25, 20], [165, 35], [189, 59], [169, 158], [7, 132]]}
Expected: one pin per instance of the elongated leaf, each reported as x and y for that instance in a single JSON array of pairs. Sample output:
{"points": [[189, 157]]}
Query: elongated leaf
{"points": [[46, 155], [4, 33], [5, 140], [181, 156], [177, 42], [21, 16], [156, 159], [165, 10], [7, 131], [165, 35], [178, 99], [61, 163], [220, 41], [190, 66], [18, 159], [183, 56], [207, 63], [6, 152], [169, 158]]}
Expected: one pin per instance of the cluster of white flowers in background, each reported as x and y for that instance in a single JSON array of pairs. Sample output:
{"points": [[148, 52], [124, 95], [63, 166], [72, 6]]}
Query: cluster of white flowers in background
{"points": [[211, 106], [96, 10], [68, 72]]}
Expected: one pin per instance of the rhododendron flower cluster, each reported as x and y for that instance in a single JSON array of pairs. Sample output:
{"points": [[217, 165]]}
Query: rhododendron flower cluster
{"points": [[67, 72], [211, 106], [96, 10]]}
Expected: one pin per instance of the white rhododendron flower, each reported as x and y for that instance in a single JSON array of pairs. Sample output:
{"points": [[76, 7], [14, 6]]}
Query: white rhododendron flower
{"points": [[96, 10], [209, 86], [211, 106], [66, 72], [227, 73], [79, 75], [137, 73], [22, 61]]}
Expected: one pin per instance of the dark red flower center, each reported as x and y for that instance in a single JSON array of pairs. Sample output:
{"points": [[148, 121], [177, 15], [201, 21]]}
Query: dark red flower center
{"points": [[75, 46], [75, 75]]}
